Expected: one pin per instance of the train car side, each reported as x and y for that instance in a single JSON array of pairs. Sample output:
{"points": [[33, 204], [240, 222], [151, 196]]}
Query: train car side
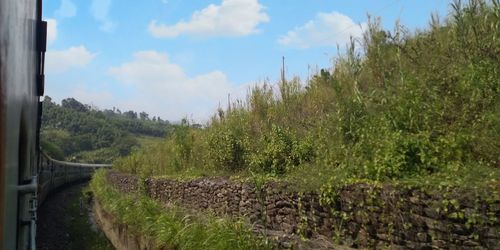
{"points": [[20, 80], [26, 176]]}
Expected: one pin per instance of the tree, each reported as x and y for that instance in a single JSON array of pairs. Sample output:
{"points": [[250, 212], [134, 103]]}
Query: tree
{"points": [[71, 103], [124, 145], [108, 112], [94, 134], [130, 114], [47, 101], [144, 116]]}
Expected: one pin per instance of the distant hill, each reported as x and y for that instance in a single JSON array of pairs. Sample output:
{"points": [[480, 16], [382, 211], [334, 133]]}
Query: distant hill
{"points": [[79, 132]]}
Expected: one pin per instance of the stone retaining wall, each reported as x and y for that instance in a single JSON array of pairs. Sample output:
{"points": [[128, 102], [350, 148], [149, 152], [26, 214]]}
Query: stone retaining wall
{"points": [[359, 215]]}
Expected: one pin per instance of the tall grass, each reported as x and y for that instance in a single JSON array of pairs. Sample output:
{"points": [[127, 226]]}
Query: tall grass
{"points": [[399, 105], [174, 227]]}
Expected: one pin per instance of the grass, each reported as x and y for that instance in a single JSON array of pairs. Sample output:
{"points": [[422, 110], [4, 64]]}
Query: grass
{"points": [[148, 141], [108, 154], [101, 155], [174, 227], [83, 237]]}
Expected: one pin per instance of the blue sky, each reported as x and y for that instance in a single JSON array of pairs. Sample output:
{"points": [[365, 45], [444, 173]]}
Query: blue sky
{"points": [[178, 58]]}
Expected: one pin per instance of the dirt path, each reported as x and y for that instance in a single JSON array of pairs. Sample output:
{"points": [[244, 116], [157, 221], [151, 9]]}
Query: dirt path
{"points": [[62, 224]]}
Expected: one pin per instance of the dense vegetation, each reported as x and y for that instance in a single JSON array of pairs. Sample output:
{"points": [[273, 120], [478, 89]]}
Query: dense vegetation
{"points": [[174, 227], [397, 105], [78, 132]]}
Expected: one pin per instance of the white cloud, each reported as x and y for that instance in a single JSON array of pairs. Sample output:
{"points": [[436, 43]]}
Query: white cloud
{"points": [[62, 60], [232, 18], [66, 9], [162, 87], [51, 30], [327, 29], [100, 11]]}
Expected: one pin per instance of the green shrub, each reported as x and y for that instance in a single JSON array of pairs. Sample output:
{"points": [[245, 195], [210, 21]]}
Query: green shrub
{"points": [[227, 148], [282, 151], [403, 105]]}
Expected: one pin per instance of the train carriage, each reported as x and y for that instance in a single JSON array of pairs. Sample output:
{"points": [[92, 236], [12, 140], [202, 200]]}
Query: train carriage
{"points": [[22, 44]]}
